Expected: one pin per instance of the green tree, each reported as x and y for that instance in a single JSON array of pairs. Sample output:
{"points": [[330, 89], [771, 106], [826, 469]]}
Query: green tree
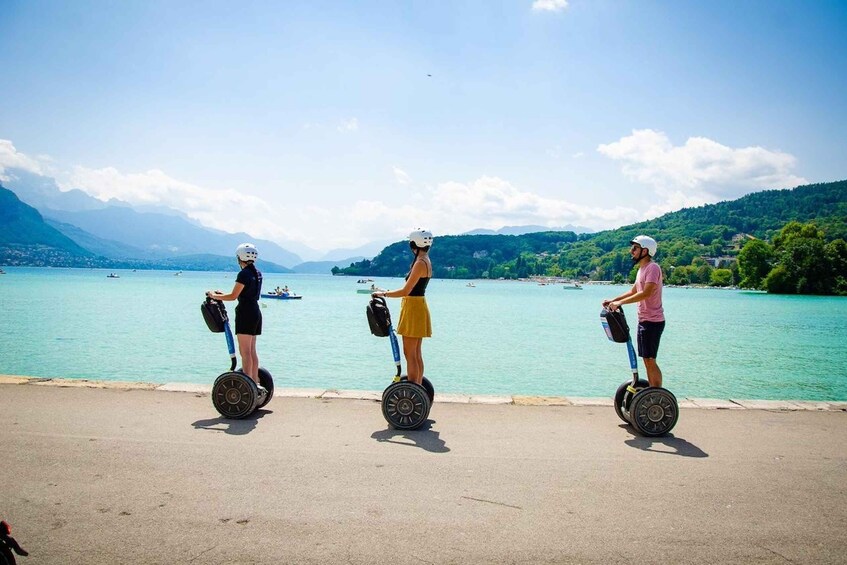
{"points": [[802, 266], [721, 277], [754, 263]]}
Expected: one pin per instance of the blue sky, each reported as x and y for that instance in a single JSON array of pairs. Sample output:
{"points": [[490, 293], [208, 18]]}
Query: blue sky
{"points": [[332, 124]]}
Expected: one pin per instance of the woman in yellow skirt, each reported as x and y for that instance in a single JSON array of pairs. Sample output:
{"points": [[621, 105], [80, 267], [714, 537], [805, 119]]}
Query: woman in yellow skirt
{"points": [[415, 323]]}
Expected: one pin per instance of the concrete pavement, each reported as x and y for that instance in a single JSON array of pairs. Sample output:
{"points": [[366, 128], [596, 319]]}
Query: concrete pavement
{"points": [[134, 475]]}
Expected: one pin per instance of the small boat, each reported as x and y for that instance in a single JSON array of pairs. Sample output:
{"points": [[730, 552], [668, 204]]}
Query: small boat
{"points": [[2, 272], [470, 285], [281, 296], [113, 276], [369, 290], [572, 286], [364, 281]]}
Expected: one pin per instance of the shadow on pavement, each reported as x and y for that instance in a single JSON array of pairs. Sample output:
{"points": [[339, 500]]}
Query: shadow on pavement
{"points": [[424, 438], [673, 445], [232, 427]]}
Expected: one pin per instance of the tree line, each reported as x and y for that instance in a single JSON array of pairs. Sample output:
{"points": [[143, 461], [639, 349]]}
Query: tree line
{"points": [[782, 241]]}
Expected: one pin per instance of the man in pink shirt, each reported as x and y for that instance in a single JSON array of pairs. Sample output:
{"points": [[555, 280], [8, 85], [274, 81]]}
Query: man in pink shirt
{"points": [[647, 292]]}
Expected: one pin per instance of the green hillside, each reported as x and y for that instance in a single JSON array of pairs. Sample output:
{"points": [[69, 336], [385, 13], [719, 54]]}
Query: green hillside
{"points": [[694, 243], [25, 239]]}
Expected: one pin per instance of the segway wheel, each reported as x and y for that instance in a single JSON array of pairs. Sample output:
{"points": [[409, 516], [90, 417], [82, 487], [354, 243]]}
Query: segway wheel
{"points": [[235, 395], [623, 398], [654, 411], [267, 381], [430, 390], [405, 405]]}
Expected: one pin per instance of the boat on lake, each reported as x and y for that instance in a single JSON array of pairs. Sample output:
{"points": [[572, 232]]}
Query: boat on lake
{"points": [[113, 276], [573, 285], [281, 296]]}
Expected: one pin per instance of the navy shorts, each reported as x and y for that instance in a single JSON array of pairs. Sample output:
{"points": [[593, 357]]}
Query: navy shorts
{"points": [[248, 321], [649, 336]]}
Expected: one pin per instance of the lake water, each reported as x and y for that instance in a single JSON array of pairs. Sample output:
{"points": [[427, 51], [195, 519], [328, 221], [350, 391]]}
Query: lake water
{"points": [[501, 337]]}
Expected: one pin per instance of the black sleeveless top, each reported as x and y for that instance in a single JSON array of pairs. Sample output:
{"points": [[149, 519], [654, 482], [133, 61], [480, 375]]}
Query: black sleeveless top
{"points": [[251, 278], [420, 287]]}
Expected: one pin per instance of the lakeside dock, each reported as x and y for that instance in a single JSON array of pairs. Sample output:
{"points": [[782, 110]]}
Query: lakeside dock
{"points": [[143, 475]]}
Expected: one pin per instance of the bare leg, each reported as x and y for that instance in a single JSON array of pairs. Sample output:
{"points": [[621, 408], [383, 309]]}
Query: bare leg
{"points": [[414, 362], [249, 358], [654, 373]]}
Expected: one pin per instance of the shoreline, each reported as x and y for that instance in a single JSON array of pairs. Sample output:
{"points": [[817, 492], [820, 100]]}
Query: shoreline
{"points": [[447, 398]]}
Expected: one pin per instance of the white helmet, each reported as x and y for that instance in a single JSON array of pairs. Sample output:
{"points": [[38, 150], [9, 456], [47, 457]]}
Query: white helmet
{"points": [[421, 237], [647, 243], [246, 252]]}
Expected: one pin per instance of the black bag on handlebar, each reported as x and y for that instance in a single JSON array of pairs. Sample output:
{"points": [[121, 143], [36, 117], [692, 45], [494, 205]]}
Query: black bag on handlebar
{"points": [[214, 312], [379, 317], [615, 325]]}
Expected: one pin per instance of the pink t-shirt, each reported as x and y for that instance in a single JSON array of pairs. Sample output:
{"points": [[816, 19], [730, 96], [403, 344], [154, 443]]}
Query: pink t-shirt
{"points": [[650, 309]]}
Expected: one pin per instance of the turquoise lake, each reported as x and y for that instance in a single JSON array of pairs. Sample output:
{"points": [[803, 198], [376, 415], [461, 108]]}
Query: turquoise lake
{"points": [[500, 337]]}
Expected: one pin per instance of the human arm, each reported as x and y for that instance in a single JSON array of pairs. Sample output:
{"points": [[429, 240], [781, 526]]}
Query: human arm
{"points": [[631, 292], [219, 295], [419, 269], [649, 290]]}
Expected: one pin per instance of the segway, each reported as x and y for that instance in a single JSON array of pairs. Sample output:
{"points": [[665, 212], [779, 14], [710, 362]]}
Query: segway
{"points": [[652, 411], [234, 394], [405, 405]]}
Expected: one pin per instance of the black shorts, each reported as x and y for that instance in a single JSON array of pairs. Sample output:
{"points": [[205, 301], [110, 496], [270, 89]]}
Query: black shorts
{"points": [[649, 336], [248, 321]]}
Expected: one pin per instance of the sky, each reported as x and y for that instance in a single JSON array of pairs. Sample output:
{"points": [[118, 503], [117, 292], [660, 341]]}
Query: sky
{"points": [[334, 124]]}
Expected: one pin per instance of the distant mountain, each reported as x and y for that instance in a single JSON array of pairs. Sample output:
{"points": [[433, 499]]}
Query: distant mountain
{"points": [[99, 246], [368, 250], [521, 230], [165, 236], [207, 262], [324, 267], [25, 239], [115, 228]]}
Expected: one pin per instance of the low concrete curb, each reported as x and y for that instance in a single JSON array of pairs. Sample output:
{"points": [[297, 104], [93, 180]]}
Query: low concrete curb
{"points": [[447, 398]]}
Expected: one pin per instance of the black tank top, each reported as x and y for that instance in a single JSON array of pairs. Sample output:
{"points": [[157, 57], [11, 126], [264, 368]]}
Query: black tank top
{"points": [[420, 287]]}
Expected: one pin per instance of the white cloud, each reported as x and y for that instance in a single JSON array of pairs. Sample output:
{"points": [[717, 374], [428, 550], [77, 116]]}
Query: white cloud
{"points": [[449, 208], [401, 176], [226, 210], [491, 202], [549, 5], [11, 158], [701, 170], [349, 125]]}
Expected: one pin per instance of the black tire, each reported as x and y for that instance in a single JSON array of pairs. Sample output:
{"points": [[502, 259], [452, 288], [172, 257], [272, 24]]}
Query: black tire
{"points": [[430, 390], [623, 399], [235, 395], [654, 411], [405, 405], [267, 381]]}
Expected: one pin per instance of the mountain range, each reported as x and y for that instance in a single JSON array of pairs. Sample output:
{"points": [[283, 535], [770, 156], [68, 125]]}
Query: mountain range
{"points": [[116, 233]]}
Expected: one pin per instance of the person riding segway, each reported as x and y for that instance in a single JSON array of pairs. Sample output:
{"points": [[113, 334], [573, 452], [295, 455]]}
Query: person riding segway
{"points": [[237, 394], [406, 403], [652, 409]]}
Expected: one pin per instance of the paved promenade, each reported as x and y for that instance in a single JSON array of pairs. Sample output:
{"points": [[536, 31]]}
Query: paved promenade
{"points": [[130, 474]]}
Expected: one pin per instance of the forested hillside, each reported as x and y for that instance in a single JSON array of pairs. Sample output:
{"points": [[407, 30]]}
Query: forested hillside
{"points": [[696, 245], [26, 239]]}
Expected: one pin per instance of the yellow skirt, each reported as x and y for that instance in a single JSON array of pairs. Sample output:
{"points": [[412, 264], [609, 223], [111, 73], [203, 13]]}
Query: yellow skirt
{"points": [[414, 317]]}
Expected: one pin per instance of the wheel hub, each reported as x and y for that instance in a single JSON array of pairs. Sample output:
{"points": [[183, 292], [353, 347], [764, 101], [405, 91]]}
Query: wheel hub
{"points": [[655, 413]]}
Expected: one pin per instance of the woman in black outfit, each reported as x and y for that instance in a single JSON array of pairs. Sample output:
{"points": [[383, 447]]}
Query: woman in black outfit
{"points": [[248, 315]]}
